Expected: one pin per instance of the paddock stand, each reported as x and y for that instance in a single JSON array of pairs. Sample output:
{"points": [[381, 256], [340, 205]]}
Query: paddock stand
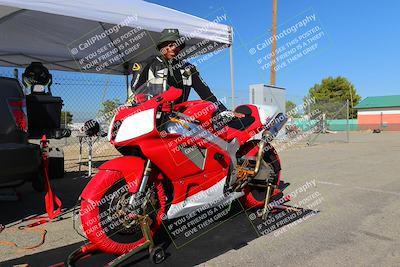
{"points": [[271, 206], [157, 254]]}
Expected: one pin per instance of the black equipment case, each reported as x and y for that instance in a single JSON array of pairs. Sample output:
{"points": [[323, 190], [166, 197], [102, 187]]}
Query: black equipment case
{"points": [[44, 114]]}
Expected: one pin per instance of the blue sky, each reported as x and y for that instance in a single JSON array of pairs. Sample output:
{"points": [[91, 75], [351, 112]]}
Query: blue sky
{"points": [[360, 42]]}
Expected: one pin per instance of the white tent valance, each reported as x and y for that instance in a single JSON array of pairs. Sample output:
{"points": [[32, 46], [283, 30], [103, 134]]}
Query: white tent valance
{"points": [[97, 36]]}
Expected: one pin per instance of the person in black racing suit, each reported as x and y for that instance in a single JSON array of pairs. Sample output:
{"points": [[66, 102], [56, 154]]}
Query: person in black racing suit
{"points": [[166, 69]]}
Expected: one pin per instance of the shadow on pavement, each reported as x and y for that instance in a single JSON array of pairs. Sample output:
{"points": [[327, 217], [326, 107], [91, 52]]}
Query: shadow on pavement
{"points": [[31, 203], [231, 232], [95, 163]]}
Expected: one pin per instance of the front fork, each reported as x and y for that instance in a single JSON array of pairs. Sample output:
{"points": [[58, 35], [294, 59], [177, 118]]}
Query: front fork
{"points": [[145, 179], [146, 175]]}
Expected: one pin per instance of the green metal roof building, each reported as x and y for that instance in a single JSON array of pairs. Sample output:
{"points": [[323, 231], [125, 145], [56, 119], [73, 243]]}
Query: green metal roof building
{"points": [[379, 102], [379, 112]]}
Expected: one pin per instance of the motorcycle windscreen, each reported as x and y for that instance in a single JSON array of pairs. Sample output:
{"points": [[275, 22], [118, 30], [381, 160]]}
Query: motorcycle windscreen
{"points": [[148, 90]]}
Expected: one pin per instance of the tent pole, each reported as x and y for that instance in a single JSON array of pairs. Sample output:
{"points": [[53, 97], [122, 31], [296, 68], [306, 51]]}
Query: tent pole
{"points": [[16, 74], [232, 77], [127, 86], [126, 72]]}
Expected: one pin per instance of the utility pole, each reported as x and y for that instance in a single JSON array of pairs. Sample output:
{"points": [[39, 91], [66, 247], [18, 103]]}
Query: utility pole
{"points": [[232, 80], [273, 46]]}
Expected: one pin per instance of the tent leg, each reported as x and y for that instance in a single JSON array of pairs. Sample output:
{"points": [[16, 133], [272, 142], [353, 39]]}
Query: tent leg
{"points": [[232, 77]]}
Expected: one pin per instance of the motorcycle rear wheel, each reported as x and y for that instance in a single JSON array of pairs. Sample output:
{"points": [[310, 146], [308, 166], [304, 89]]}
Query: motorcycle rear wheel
{"points": [[106, 223], [254, 197]]}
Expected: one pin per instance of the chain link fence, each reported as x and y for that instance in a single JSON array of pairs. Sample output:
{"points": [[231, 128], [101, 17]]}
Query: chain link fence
{"points": [[322, 122], [90, 96], [83, 96]]}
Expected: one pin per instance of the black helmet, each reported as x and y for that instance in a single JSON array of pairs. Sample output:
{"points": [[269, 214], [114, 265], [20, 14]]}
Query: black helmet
{"points": [[36, 74], [91, 128]]}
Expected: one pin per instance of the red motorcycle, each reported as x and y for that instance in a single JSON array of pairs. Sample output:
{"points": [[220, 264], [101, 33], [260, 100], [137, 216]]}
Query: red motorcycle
{"points": [[177, 159]]}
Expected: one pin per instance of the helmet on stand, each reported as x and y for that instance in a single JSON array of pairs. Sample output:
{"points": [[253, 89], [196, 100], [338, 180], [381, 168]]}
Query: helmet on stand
{"points": [[37, 75]]}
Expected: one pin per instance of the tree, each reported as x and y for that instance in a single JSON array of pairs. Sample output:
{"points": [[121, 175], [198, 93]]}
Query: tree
{"points": [[291, 109], [108, 108], [66, 115], [331, 95], [290, 105]]}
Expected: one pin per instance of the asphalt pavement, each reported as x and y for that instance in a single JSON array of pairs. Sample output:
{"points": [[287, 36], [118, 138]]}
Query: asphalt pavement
{"points": [[350, 193]]}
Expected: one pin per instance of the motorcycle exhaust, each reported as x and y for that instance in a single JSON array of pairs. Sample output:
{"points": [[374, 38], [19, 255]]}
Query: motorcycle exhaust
{"points": [[275, 125]]}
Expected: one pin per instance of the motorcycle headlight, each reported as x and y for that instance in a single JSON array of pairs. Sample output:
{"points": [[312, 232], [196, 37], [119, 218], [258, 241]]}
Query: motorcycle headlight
{"points": [[136, 125]]}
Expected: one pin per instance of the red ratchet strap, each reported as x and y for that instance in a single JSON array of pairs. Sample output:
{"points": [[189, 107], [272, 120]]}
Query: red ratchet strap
{"points": [[50, 198], [43, 221], [51, 202], [42, 232]]}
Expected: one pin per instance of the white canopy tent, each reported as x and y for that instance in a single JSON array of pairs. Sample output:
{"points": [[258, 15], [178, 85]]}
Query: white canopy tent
{"points": [[98, 36]]}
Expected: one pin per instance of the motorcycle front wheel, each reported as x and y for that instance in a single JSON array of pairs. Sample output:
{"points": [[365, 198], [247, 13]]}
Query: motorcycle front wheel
{"points": [[107, 218]]}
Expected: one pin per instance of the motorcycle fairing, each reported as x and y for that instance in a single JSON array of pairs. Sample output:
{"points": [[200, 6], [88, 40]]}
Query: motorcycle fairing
{"points": [[211, 197], [187, 177], [255, 120], [245, 134], [195, 131], [125, 113], [198, 109]]}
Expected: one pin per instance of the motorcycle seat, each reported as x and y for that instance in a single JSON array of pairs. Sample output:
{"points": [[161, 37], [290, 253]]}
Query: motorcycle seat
{"points": [[242, 124]]}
